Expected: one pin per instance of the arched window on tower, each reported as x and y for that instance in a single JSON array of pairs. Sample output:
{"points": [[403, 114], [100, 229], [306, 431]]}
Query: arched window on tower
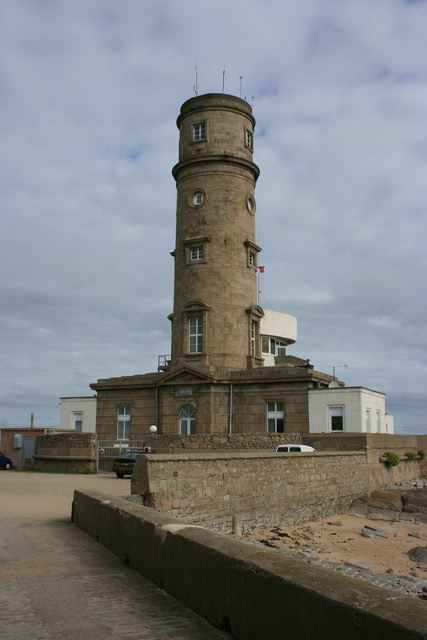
{"points": [[187, 420]]}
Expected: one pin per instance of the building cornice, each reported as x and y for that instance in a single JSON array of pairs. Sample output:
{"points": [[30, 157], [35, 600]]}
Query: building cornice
{"points": [[216, 159]]}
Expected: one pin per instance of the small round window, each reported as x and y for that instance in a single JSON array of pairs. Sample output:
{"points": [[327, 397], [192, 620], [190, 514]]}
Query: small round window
{"points": [[250, 204], [198, 198]]}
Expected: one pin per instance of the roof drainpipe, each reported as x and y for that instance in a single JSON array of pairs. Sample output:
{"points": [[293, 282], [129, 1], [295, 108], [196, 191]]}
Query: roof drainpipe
{"points": [[230, 411], [157, 406]]}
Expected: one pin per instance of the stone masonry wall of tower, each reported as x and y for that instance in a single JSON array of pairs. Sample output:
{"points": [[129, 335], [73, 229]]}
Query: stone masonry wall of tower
{"points": [[215, 321]]}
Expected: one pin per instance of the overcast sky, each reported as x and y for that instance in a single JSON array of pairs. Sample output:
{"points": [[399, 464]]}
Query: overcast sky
{"points": [[89, 95]]}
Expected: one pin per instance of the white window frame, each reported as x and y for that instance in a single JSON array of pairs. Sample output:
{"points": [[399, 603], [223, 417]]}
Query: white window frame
{"points": [[368, 420], [198, 198], [275, 416], [123, 422], [199, 131], [252, 251], [198, 244], [77, 421], [253, 337], [187, 420], [195, 333], [197, 254], [274, 348]]}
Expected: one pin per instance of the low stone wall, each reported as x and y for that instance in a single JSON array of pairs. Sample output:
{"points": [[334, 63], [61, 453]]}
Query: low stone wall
{"points": [[251, 592], [383, 475], [256, 488], [67, 452], [168, 443], [375, 444]]}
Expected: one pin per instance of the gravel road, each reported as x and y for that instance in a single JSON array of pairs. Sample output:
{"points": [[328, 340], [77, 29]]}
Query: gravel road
{"points": [[59, 584]]}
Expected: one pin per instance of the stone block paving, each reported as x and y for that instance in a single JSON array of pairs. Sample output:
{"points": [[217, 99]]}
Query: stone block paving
{"points": [[57, 583]]}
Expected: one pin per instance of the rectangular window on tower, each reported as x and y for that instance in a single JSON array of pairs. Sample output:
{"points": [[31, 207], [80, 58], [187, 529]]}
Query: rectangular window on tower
{"points": [[196, 249], [195, 334], [199, 131], [253, 337], [249, 139], [252, 251], [252, 259], [197, 254]]}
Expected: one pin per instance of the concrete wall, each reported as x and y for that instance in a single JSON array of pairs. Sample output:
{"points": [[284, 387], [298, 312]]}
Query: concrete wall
{"points": [[258, 488], [69, 452], [86, 406], [252, 592]]}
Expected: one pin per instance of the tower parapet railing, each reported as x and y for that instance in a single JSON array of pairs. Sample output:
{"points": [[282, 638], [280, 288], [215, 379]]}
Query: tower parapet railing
{"points": [[163, 363]]}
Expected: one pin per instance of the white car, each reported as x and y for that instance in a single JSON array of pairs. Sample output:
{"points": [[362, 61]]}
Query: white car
{"points": [[294, 448]]}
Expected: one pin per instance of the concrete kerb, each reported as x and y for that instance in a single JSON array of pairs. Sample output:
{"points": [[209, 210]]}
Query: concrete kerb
{"points": [[249, 591]]}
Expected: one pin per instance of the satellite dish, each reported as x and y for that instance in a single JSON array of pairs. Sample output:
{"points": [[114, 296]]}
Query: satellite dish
{"points": [[333, 385]]}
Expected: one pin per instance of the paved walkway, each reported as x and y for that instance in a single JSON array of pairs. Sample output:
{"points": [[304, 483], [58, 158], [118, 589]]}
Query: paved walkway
{"points": [[58, 584]]}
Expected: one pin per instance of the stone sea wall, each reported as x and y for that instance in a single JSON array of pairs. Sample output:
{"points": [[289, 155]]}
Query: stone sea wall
{"points": [[226, 490]]}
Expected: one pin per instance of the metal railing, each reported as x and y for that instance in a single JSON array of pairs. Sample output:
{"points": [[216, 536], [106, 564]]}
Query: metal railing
{"points": [[107, 450], [163, 363]]}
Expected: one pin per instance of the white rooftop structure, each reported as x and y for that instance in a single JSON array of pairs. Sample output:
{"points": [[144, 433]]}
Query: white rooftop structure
{"points": [[277, 330]]}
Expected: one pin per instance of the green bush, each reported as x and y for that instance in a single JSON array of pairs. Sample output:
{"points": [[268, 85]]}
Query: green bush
{"points": [[410, 455], [391, 458], [422, 454]]}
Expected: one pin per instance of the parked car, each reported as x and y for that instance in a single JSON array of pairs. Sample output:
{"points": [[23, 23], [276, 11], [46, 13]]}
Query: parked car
{"points": [[124, 464], [294, 448], [5, 462]]}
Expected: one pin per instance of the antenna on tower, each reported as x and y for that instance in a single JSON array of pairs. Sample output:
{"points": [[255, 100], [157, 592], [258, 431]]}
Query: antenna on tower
{"points": [[195, 87], [240, 80], [223, 78]]}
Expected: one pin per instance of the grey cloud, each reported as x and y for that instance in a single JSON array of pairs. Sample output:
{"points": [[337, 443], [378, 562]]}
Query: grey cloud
{"points": [[90, 94]]}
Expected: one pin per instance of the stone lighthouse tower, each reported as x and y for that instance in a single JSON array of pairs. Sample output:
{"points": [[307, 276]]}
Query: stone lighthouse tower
{"points": [[216, 318], [229, 371]]}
